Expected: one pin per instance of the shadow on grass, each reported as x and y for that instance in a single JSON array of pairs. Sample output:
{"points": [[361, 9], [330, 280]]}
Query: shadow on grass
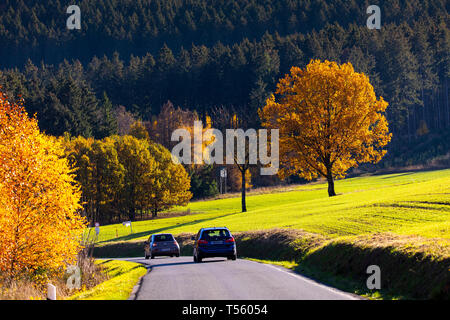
{"points": [[398, 175], [149, 232]]}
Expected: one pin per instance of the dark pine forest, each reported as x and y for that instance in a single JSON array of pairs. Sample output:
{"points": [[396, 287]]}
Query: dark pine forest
{"points": [[202, 54]]}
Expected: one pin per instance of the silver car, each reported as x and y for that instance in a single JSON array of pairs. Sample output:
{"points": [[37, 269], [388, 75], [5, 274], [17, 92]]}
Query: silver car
{"points": [[161, 244]]}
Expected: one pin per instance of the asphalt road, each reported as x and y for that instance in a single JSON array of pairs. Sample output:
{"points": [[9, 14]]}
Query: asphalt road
{"points": [[221, 279]]}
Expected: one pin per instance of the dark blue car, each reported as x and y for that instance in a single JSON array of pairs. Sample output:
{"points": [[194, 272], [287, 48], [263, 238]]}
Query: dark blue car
{"points": [[214, 242]]}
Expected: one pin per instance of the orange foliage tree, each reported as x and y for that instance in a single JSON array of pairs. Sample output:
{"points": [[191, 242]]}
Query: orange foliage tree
{"points": [[329, 120], [39, 202]]}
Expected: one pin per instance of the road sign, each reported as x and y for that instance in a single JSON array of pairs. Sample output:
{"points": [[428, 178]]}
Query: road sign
{"points": [[128, 224]]}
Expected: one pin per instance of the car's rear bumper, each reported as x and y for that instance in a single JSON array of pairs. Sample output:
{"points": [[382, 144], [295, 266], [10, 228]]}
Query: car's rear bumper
{"points": [[165, 253], [225, 252]]}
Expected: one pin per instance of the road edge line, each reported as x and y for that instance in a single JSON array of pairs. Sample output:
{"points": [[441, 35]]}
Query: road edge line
{"points": [[296, 274], [137, 287]]}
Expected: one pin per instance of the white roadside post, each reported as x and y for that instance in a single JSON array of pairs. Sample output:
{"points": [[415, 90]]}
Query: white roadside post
{"points": [[97, 230], [51, 292]]}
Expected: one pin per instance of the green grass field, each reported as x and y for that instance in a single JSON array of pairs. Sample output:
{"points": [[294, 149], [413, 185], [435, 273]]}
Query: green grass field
{"points": [[409, 203]]}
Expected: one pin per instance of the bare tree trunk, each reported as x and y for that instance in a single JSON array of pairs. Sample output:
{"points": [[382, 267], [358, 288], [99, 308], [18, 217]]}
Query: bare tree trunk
{"points": [[244, 205], [155, 211]]}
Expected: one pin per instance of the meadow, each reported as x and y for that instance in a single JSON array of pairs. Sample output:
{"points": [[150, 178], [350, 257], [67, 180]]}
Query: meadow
{"points": [[408, 203]]}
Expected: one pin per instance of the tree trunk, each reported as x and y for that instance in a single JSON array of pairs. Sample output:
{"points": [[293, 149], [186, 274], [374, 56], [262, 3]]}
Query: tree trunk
{"points": [[154, 212], [330, 180], [446, 101], [244, 206], [131, 213], [408, 124], [438, 108]]}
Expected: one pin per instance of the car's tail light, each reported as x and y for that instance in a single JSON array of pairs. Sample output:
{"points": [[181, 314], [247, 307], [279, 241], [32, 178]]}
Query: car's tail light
{"points": [[202, 242], [175, 243], [154, 244], [230, 240]]}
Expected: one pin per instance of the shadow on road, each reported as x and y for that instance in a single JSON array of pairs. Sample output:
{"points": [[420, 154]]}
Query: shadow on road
{"points": [[153, 265]]}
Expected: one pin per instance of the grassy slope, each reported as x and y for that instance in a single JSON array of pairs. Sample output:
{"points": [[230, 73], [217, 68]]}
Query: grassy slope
{"points": [[123, 277], [406, 204], [400, 222]]}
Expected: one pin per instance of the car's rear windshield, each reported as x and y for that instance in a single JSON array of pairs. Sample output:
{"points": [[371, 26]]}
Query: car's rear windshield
{"points": [[215, 234], [162, 237]]}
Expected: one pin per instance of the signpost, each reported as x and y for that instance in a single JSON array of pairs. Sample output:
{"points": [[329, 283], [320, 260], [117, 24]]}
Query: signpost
{"points": [[223, 180], [97, 230], [128, 224]]}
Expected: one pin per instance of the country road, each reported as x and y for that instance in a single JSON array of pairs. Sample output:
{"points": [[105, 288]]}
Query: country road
{"points": [[219, 279]]}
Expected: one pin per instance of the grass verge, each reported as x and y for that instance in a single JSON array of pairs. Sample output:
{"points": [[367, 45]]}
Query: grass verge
{"points": [[123, 276]]}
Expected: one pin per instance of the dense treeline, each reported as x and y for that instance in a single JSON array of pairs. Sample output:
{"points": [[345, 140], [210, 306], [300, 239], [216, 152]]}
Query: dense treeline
{"points": [[408, 66], [229, 54], [125, 177], [37, 29]]}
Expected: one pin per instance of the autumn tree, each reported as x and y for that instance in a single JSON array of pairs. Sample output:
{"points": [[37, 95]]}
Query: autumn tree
{"points": [[125, 175], [39, 202], [108, 175], [168, 120], [139, 131], [139, 170], [170, 183], [124, 120], [228, 119], [78, 152], [99, 173], [161, 129], [330, 120]]}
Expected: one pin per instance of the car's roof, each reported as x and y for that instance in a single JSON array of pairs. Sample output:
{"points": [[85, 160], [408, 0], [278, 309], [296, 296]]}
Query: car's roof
{"points": [[214, 228], [159, 234]]}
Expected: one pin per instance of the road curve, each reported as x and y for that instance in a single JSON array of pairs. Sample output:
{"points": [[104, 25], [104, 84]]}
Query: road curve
{"points": [[221, 279]]}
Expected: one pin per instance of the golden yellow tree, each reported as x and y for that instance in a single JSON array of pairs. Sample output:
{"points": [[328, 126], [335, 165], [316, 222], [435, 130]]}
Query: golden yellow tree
{"points": [[329, 119], [39, 202], [170, 183], [139, 131]]}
